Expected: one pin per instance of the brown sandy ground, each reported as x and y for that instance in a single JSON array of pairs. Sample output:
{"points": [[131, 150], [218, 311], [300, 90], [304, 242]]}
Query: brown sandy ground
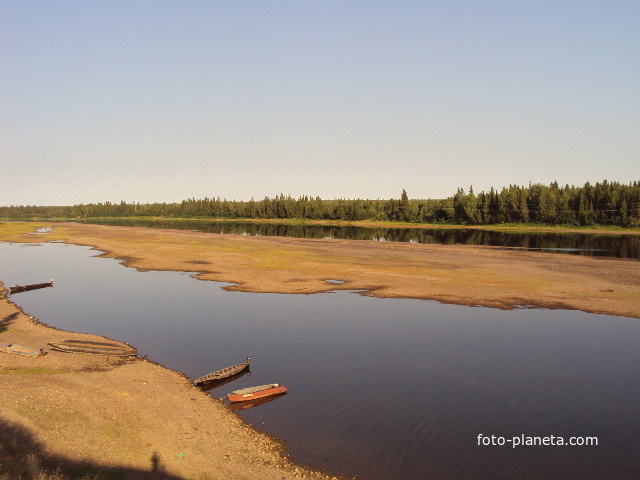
{"points": [[461, 274], [104, 417]]}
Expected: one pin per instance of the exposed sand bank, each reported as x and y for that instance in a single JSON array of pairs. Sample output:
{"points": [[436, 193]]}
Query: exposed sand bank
{"points": [[468, 275]]}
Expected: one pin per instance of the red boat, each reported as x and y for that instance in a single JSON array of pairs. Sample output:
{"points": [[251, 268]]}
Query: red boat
{"points": [[252, 393], [237, 406]]}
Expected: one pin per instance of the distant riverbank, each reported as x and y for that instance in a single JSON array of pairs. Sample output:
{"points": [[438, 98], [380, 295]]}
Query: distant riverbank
{"points": [[461, 274], [505, 227]]}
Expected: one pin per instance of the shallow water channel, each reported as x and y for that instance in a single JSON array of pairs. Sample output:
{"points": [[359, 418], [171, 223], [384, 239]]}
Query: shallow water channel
{"points": [[378, 388]]}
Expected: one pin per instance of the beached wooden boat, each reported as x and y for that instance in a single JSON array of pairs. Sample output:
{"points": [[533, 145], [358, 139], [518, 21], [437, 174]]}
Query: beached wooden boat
{"points": [[100, 348], [223, 373], [26, 288], [244, 405], [213, 384], [21, 350], [253, 393]]}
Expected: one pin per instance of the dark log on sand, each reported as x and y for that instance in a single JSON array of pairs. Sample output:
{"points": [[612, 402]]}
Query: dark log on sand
{"points": [[26, 288]]}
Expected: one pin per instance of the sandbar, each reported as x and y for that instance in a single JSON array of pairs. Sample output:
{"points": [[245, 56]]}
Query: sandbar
{"points": [[459, 274]]}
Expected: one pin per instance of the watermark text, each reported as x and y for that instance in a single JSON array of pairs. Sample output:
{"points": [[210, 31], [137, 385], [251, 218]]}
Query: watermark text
{"points": [[527, 441]]}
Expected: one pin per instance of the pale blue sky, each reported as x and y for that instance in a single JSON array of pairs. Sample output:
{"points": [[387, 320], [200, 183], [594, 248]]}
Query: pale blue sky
{"points": [[167, 100]]}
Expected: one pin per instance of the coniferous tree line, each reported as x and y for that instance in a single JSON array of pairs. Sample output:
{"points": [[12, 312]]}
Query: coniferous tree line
{"points": [[605, 203]]}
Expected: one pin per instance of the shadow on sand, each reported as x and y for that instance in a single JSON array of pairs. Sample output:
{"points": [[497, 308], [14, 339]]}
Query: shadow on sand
{"points": [[22, 457], [6, 321]]}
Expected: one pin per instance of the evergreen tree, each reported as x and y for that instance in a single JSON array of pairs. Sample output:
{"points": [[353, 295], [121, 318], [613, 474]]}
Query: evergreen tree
{"points": [[404, 206]]}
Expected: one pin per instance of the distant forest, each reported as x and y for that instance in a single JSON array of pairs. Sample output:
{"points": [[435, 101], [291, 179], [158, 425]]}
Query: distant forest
{"points": [[606, 203]]}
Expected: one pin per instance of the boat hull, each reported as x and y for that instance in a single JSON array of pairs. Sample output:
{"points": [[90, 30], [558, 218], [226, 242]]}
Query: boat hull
{"points": [[238, 406], [100, 348], [211, 384], [26, 288], [20, 350], [269, 392], [222, 374]]}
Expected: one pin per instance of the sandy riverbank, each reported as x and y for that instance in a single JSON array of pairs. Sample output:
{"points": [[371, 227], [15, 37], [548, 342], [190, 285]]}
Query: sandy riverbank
{"points": [[128, 419]]}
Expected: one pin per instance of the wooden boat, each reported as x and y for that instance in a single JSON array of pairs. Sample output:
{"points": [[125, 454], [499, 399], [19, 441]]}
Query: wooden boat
{"points": [[212, 384], [21, 350], [223, 373], [252, 393], [26, 288], [100, 348], [237, 406]]}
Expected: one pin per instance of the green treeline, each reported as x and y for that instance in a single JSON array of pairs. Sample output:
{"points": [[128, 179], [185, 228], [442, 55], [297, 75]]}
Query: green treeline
{"points": [[606, 203]]}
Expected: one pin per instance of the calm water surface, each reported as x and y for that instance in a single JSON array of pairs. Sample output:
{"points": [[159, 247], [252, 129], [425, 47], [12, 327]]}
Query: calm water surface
{"points": [[378, 388]]}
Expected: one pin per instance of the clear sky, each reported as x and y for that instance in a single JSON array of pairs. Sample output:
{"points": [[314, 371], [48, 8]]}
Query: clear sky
{"points": [[166, 100]]}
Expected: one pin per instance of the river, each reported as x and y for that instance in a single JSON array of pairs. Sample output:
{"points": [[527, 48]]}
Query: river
{"points": [[378, 388]]}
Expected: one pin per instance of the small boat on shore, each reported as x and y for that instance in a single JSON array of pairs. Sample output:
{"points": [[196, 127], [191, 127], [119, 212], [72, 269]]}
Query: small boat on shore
{"points": [[213, 384], [100, 348], [223, 373], [238, 406], [26, 288], [21, 350], [253, 393]]}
